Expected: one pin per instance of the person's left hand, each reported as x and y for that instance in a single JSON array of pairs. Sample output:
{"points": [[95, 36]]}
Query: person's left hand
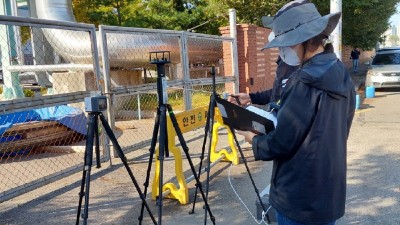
{"points": [[248, 135]]}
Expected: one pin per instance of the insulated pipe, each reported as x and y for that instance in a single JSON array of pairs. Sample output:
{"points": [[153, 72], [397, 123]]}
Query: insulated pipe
{"points": [[74, 46], [125, 50]]}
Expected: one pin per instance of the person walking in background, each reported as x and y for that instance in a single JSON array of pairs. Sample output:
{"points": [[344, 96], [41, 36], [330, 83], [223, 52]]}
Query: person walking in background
{"points": [[355, 55], [309, 144]]}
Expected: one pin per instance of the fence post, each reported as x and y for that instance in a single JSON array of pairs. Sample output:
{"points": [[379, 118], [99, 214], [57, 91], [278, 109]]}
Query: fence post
{"points": [[139, 109], [235, 61], [107, 89], [12, 88], [336, 6], [187, 92]]}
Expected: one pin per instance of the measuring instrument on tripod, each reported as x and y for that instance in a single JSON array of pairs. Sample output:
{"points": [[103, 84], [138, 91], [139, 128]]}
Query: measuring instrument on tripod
{"points": [[94, 107]]}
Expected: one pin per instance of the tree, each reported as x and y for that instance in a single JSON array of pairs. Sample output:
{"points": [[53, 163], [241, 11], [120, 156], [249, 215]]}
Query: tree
{"points": [[108, 12], [174, 15], [82, 10], [363, 21], [157, 14], [251, 11]]}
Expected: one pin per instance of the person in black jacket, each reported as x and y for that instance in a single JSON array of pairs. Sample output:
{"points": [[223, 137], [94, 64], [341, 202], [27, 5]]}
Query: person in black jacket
{"points": [[309, 144], [355, 55], [272, 95]]}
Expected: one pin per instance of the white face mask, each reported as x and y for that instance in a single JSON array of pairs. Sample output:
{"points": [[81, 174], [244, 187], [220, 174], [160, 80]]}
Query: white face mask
{"points": [[289, 56]]}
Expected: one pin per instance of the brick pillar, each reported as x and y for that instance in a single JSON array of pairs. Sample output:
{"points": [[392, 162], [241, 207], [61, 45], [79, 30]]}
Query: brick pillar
{"points": [[256, 68], [346, 51], [227, 59]]}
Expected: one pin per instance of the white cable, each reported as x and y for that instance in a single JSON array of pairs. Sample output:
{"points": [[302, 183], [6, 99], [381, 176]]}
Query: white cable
{"points": [[240, 199]]}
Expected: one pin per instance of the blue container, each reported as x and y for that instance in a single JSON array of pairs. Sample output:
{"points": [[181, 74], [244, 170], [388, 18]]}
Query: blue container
{"points": [[357, 101], [369, 92]]}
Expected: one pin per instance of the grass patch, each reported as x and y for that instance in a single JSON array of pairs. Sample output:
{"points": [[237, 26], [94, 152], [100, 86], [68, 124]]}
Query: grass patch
{"points": [[149, 101], [28, 93]]}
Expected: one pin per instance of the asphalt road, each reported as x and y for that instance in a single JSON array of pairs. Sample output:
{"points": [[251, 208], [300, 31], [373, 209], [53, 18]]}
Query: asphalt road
{"points": [[373, 176]]}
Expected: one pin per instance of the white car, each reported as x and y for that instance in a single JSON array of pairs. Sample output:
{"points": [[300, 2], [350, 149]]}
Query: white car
{"points": [[384, 69]]}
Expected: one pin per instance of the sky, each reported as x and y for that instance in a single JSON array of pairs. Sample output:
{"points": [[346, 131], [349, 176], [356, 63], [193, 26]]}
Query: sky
{"points": [[395, 19]]}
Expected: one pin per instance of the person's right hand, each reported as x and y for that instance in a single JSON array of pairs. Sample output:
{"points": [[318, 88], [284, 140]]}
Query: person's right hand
{"points": [[243, 98], [248, 135]]}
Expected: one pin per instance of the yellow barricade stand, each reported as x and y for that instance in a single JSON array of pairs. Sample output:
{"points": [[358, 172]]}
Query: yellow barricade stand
{"points": [[188, 121], [229, 156]]}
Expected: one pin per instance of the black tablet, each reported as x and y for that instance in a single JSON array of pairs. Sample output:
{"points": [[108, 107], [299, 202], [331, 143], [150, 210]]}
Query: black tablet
{"points": [[240, 118]]}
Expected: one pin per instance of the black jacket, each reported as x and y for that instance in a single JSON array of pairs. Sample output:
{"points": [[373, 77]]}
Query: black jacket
{"points": [[355, 54], [283, 72], [308, 146]]}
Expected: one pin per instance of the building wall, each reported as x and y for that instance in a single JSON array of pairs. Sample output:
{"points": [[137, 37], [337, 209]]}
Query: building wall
{"points": [[256, 68], [392, 31]]}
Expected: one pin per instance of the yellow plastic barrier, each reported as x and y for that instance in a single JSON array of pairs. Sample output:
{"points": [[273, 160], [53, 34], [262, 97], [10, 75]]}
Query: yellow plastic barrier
{"points": [[230, 156], [188, 121]]}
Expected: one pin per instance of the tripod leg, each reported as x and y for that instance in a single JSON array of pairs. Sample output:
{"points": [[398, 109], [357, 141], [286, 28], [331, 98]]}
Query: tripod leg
{"points": [[125, 162], [186, 150], [251, 177], [97, 142], [161, 146], [151, 152], [206, 129], [85, 185], [212, 110]]}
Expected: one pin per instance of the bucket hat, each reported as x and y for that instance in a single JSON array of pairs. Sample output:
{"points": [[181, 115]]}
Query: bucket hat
{"points": [[267, 21], [299, 21]]}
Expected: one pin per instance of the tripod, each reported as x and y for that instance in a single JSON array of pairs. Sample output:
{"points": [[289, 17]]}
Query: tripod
{"points": [[92, 133], [209, 130], [160, 127]]}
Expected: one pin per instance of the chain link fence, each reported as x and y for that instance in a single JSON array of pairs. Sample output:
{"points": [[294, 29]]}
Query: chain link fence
{"points": [[188, 75], [42, 120], [202, 62], [50, 67]]}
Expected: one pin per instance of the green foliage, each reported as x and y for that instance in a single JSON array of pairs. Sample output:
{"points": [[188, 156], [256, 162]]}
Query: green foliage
{"points": [[251, 11], [364, 21], [156, 14], [43, 91], [28, 93], [82, 10], [173, 15], [107, 12], [147, 102], [175, 99], [25, 34], [200, 99]]}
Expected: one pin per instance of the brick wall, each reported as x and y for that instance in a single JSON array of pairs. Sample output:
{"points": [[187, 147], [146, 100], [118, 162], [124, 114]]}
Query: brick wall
{"points": [[256, 68]]}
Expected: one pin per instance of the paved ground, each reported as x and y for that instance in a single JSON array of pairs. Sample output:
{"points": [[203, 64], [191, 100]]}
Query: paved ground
{"points": [[373, 181]]}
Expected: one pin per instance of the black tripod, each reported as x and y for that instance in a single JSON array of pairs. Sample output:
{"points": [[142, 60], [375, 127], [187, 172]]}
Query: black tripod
{"points": [[209, 130], [92, 133], [160, 58]]}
